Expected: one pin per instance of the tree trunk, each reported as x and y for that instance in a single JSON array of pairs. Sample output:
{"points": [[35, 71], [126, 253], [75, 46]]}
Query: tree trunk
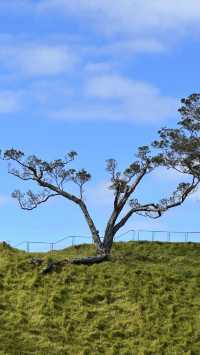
{"points": [[108, 242], [99, 248]]}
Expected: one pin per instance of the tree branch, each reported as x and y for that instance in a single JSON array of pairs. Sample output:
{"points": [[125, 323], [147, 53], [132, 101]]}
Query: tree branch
{"points": [[119, 204], [133, 187], [51, 177], [150, 209], [32, 200]]}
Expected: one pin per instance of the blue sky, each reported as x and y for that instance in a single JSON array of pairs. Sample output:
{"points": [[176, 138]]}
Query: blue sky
{"points": [[100, 78]]}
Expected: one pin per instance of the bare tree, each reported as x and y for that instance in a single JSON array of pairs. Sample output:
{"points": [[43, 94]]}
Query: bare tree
{"points": [[52, 177]]}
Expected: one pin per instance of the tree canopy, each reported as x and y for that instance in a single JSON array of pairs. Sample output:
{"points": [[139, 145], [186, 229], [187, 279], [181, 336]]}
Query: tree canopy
{"points": [[181, 145]]}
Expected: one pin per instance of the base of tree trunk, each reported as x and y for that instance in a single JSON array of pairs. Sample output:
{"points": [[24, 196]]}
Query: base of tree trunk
{"points": [[90, 260]]}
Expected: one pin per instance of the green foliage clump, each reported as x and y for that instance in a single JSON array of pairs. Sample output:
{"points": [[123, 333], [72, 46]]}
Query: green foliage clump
{"points": [[145, 300]]}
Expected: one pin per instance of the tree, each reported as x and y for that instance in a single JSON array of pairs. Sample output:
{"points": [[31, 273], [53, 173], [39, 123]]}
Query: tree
{"points": [[52, 177]]}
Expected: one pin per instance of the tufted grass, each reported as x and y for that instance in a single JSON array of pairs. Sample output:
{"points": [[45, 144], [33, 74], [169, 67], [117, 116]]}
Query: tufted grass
{"points": [[145, 300]]}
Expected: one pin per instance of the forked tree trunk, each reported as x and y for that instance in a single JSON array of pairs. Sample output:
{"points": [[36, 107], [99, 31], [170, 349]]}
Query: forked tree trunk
{"points": [[99, 247], [103, 250], [106, 245], [108, 242]]}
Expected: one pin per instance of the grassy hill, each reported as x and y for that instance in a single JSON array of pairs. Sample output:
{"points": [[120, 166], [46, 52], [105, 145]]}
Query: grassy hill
{"points": [[146, 300]]}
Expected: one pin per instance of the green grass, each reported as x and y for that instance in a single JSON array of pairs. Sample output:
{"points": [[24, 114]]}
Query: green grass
{"points": [[146, 300]]}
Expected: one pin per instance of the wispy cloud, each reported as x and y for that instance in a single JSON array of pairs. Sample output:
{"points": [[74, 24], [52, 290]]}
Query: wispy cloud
{"points": [[17, 6], [10, 102], [99, 67], [196, 196], [93, 91], [129, 28], [144, 26], [36, 59], [45, 60], [116, 98], [4, 200], [49, 92], [131, 17], [168, 175], [135, 46], [100, 195]]}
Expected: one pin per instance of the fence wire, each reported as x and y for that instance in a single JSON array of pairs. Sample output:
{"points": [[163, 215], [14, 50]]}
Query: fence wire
{"points": [[130, 235]]}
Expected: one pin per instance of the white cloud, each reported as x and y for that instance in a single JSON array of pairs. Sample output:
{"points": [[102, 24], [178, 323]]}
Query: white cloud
{"points": [[45, 60], [140, 100], [98, 67], [17, 6], [10, 102], [111, 86], [116, 98], [3, 200], [100, 195], [36, 59], [82, 112], [169, 175], [49, 92], [144, 26], [39, 94], [132, 17], [196, 195], [135, 45], [101, 94]]}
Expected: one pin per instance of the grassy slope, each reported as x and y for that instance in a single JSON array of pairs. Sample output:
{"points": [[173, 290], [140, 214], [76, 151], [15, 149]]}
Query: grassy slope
{"points": [[145, 301]]}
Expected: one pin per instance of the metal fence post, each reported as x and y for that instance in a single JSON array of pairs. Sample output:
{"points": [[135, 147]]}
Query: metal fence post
{"points": [[134, 235]]}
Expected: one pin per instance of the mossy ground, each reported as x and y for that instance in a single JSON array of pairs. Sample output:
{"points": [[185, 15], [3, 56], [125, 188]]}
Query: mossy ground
{"points": [[146, 300]]}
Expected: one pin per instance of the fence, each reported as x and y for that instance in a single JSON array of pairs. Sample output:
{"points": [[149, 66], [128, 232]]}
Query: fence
{"points": [[161, 236], [37, 246], [130, 235]]}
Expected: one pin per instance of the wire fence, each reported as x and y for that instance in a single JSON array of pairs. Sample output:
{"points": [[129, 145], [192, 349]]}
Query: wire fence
{"points": [[130, 235]]}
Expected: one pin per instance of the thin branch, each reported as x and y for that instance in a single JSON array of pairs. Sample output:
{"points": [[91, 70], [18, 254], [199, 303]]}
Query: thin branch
{"points": [[19, 176], [130, 189], [36, 204], [158, 209]]}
